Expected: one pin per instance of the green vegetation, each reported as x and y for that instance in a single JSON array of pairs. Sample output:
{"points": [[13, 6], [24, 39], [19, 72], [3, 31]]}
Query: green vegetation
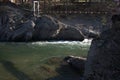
{"points": [[37, 61]]}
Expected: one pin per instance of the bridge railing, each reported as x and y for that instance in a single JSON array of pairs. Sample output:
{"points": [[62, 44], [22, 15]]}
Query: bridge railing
{"points": [[50, 7]]}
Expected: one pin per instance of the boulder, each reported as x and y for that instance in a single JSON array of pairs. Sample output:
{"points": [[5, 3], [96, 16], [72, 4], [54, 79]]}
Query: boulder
{"points": [[77, 63], [15, 25], [48, 28], [104, 56]]}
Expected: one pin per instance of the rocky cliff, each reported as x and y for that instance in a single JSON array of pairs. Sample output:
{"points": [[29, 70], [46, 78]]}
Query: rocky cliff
{"points": [[17, 24], [104, 55], [103, 60]]}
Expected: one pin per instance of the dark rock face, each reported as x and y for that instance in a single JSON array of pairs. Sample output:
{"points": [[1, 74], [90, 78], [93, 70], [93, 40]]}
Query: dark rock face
{"points": [[48, 28], [15, 25], [103, 61], [25, 32], [74, 34], [9, 32], [45, 28]]}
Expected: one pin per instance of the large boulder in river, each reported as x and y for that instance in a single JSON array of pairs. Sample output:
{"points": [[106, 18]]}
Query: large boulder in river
{"points": [[48, 28], [45, 28], [17, 24], [88, 31], [103, 61], [77, 63], [68, 32]]}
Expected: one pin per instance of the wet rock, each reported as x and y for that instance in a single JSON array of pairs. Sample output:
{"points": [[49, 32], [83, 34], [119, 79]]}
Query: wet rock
{"points": [[104, 56], [89, 31], [45, 28], [78, 63], [25, 32], [10, 32], [48, 28], [17, 24], [69, 33]]}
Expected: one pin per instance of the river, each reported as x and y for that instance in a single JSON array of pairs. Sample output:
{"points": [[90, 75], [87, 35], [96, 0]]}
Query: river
{"points": [[39, 60]]}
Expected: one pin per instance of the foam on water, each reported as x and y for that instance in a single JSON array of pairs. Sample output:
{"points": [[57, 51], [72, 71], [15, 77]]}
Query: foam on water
{"points": [[86, 42], [59, 44]]}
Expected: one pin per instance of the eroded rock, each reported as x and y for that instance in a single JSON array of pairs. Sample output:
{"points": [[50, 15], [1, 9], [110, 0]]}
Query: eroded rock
{"points": [[78, 63], [104, 56], [15, 26]]}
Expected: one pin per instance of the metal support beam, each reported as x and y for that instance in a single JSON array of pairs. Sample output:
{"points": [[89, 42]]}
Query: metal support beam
{"points": [[36, 8]]}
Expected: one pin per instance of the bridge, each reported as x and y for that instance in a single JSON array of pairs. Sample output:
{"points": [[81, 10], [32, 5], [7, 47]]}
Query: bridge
{"points": [[68, 7]]}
